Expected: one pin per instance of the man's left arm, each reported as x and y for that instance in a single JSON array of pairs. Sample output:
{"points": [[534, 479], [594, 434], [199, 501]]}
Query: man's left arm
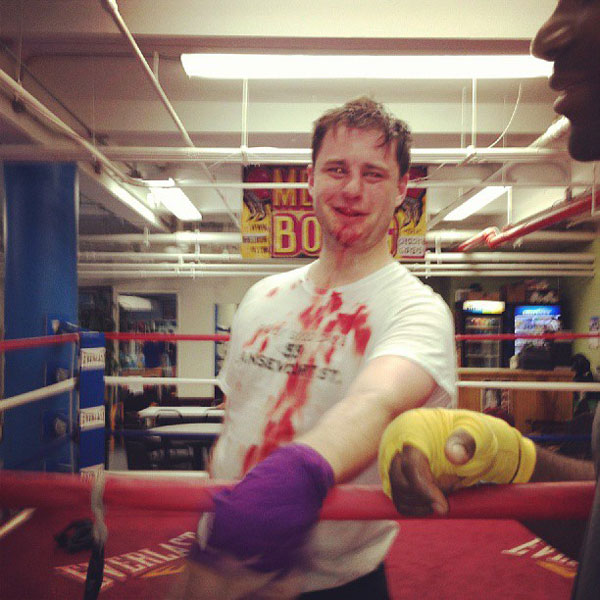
{"points": [[348, 435]]}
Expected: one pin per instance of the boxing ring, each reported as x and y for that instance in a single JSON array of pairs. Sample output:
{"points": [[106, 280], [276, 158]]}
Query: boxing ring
{"points": [[151, 525], [480, 548]]}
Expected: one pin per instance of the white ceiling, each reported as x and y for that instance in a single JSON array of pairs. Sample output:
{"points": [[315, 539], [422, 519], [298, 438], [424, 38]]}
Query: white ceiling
{"points": [[81, 67]]}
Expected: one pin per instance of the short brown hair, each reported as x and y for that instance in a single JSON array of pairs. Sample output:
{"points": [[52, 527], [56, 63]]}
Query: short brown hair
{"points": [[364, 113]]}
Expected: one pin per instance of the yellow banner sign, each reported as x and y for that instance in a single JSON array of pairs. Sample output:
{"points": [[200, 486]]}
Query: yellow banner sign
{"points": [[281, 223]]}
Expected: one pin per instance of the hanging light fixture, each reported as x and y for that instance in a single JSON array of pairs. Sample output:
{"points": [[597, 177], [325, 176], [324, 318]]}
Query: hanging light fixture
{"points": [[312, 66], [477, 202], [167, 194]]}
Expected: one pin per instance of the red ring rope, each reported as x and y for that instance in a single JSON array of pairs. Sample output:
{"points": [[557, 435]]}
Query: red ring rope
{"points": [[565, 500], [526, 336], [24, 343], [34, 342], [165, 337], [174, 337]]}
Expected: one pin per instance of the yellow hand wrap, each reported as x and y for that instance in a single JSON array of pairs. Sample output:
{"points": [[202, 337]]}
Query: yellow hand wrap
{"points": [[502, 454]]}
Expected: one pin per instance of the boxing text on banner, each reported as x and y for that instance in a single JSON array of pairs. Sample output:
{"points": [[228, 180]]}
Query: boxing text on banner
{"points": [[281, 223]]}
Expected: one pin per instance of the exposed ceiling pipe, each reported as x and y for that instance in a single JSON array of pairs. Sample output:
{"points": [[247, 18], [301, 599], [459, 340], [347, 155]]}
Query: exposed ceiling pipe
{"points": [[113, 9], [574, 258], [563, 211], [512, 257], [277, 156], [473, 113], [198, 273], [450, 236], [234, 238], [244, 137], [134, 202], [494, 237], [478, 240], [179, 237], [166, 256], [595, 210], [423, 184], [499, 267], [285, 266], [20, 152], [555, 132]]}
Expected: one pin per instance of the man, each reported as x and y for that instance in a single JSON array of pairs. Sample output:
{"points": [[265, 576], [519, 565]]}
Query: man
{"points": [[321, 360], [570, 38]]}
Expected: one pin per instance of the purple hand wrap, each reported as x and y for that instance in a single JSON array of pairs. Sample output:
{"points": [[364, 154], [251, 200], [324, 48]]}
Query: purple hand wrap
{"points": [[266, 517]]}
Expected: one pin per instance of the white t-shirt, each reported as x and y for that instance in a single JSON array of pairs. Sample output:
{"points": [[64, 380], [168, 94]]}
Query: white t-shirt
{"points": [[293, 353]]}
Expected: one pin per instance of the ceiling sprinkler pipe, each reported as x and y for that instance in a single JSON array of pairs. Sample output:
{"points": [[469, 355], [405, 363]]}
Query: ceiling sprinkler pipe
{"points": [[494, 238], [113, 9], [478, 239], [571, 209]]}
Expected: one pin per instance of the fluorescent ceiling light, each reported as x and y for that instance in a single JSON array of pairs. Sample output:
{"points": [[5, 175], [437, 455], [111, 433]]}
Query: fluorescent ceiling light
{"points": [[134, 203], [295, 66], [479, 200], [173, 199]]}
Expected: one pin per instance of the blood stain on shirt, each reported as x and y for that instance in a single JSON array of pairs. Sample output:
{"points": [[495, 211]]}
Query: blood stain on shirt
{"points": [[331, 349], [279, 426], [356, 322], [272, 292], [260, 332], [313, 316]]}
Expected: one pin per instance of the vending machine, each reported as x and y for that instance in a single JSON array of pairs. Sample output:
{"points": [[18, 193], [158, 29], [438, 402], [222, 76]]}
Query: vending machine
{"points": [[533, 319], [482, 317]]}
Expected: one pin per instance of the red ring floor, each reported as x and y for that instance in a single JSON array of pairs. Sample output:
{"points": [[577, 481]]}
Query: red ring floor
{"points": [[466, 560]]}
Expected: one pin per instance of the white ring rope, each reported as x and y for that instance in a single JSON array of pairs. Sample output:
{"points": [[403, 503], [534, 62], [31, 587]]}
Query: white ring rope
{"points": [[118, 380], [100, 531], [556, 386], [559, 386], [39, 394], [16, 521]]}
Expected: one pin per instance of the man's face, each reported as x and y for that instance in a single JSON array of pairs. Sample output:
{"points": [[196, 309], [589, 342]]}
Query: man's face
{"points": [[571, 38], [355, 185]]}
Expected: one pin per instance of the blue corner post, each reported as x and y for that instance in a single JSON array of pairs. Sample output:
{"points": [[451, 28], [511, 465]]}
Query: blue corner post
{"points": [[40, 220], [91, 418]]}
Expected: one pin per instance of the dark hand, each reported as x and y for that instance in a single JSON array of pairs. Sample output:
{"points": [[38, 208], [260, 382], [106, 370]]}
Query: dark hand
{"points": [[415, 492]]}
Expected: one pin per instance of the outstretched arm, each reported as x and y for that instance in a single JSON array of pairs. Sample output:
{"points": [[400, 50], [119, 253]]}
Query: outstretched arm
{"points": [[262, 522], [265, 518], [348, 435], [418, 487], [550, 466]]}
